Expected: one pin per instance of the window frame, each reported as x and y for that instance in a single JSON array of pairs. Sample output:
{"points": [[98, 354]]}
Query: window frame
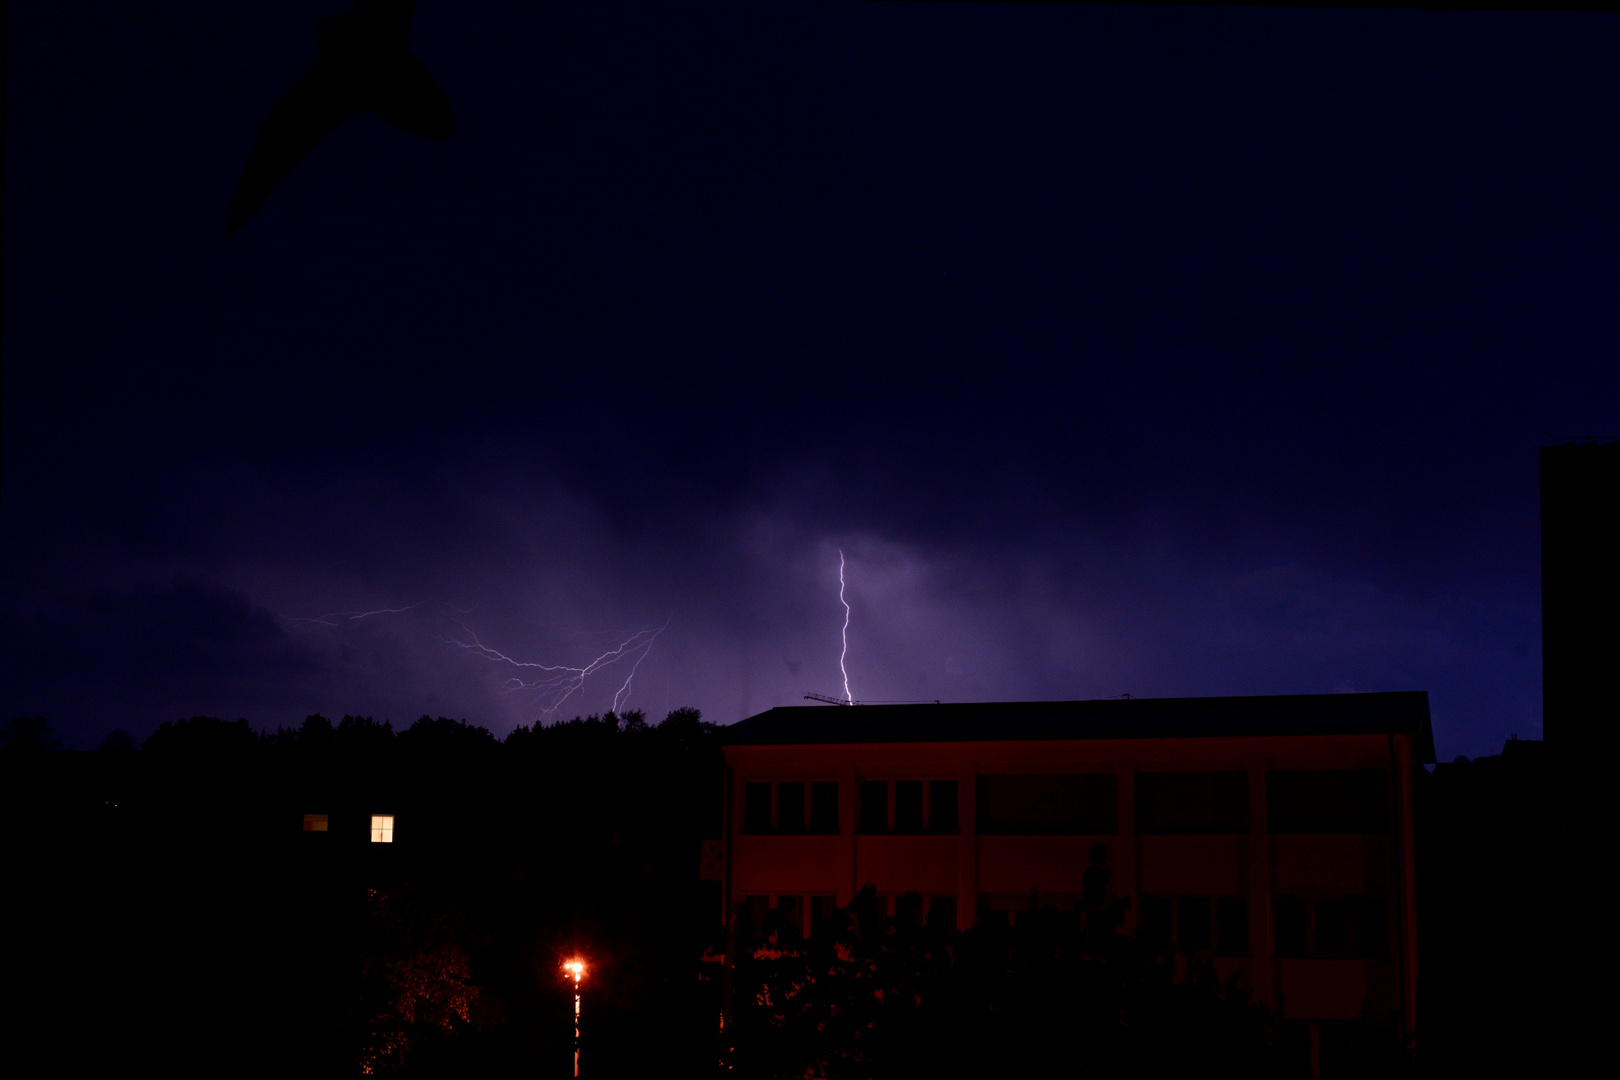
{"points": [[1355, 945], [1218, 945], [930, 786], [808, 787]]}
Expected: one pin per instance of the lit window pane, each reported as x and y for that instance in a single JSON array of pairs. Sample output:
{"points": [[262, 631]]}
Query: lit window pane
{"points": [[382, 828]]}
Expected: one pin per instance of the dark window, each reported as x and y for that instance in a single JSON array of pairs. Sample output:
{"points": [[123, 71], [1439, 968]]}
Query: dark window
{"points": [[908, 806], [758, 909], [790, 915], [874, 806], [1192, 923], [1332, 927], [790, 806], [909, 910], [1192, 802], [1294, 1046], [1293, 924], [1371, 933], [1153, 927], [942, 809], [1082, 804], [756, 808], [942, 914], [1232, 926], [821, 910], [1327, 801], [1358, 1049], [824, 806]]}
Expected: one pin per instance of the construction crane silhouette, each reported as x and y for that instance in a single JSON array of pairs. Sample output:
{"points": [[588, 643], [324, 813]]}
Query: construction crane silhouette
{"points": [[850, 701]]}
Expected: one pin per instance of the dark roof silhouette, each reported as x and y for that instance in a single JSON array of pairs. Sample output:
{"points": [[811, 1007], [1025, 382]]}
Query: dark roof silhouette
{"points": [[1398, 713], [365, 64]]}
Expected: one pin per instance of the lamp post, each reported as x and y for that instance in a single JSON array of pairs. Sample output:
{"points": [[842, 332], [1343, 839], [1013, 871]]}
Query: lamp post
{"points": [[576, 970]]}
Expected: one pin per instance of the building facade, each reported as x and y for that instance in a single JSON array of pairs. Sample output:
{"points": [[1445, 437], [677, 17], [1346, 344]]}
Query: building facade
{"points": [[1273, 834]]}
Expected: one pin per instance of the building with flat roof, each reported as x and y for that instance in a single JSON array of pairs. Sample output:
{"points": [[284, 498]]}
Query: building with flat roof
{"points": [[1273, 834]]}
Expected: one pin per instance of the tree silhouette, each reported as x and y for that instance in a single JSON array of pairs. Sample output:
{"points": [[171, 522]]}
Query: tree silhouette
{"points": [[1057, 993], [29, 735]]}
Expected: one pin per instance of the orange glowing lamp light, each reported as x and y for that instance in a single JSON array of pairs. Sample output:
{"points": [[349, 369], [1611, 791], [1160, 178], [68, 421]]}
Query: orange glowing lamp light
{"points": [[576, 969]]}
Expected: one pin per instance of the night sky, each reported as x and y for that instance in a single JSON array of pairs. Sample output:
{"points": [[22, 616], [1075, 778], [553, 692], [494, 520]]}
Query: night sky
{"points": [[1153, 351]]}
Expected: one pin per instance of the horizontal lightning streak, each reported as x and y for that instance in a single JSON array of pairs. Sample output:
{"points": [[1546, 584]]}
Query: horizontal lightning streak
{"points": [[336, 617]]}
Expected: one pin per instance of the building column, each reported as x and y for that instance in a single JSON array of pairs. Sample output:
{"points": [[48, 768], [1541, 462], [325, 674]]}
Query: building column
{"points": [[1260, 920], [967, 848], [1127, 860], [848, 807]]}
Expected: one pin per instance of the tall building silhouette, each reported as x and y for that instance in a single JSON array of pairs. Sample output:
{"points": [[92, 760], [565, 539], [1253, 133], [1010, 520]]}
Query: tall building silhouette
{"points": [[1580, 657]]}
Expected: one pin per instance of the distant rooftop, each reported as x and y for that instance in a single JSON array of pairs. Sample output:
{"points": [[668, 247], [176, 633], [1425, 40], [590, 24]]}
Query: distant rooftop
{"points": [[1399, 713]]}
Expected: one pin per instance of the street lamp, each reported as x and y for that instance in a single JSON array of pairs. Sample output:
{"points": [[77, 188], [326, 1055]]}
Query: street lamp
{"points": [[575, 969]]}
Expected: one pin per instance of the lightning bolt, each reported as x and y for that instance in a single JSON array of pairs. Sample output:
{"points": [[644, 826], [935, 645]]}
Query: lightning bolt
{"points": [[556, 683], [553, 683], [848, 697]]}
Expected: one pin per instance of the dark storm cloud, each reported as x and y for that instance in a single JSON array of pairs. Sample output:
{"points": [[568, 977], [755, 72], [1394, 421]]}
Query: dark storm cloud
{"points": [[1162, 351], [132, 658]]}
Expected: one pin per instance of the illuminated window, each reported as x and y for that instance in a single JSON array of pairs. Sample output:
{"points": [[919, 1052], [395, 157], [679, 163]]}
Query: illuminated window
{"points": [[314, 822], [382, 828]]}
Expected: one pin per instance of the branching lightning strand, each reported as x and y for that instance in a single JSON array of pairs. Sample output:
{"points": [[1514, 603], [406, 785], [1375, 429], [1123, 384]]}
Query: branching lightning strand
{"points": [[561, 681], [848, 697]]}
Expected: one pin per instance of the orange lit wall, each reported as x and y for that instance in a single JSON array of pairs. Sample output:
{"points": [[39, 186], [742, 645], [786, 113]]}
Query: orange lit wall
{"points": [[1259, 866]]}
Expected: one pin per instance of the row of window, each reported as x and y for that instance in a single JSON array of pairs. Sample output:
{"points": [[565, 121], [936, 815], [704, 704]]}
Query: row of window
{"points": [[1195, 923], [1353, 926], [797, 914], [1086, 804], [1348, 927], [382, 826], [1357, 926]]}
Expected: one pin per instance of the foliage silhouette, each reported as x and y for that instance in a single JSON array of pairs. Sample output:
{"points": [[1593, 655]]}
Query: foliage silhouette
{"points": [[29, 735], [1058, 993]]}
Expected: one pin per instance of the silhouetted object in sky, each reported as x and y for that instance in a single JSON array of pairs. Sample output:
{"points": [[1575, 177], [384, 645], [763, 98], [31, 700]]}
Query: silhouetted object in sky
{"points": [[366, 65]]}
